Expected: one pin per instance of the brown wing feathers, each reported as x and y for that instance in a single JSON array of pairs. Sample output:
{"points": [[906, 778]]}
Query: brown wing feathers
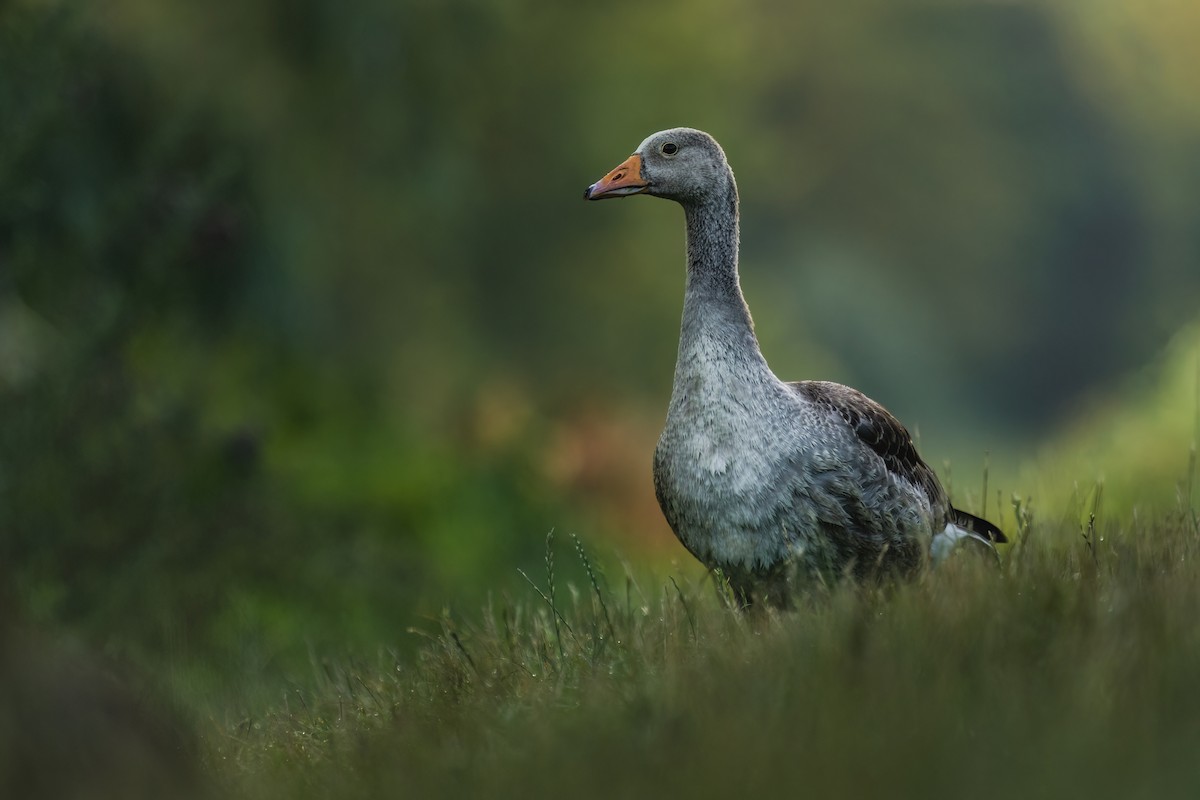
{"points": [[876, 428], [884, 434]]}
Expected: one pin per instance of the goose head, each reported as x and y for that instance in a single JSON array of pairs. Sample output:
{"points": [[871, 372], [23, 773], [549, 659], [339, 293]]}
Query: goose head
{"points": [[680, 164]]}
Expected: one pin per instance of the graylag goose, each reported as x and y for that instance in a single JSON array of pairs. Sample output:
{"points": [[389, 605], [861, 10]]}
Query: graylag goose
{"points": [[775, 484]]}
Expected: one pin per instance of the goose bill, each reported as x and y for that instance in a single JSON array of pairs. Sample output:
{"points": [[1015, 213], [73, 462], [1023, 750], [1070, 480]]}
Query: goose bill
{"points": [[626, 179]]}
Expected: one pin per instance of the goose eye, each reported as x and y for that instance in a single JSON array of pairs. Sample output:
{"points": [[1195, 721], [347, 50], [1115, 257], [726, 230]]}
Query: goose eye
{"points": [[670, 149]]}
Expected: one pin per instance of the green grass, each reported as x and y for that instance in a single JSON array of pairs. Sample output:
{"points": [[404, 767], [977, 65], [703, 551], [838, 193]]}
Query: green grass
{"points": [[1070, 670]]}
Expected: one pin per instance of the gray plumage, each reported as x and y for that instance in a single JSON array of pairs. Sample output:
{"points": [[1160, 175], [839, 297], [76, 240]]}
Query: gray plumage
{"points": [[774, 483]]}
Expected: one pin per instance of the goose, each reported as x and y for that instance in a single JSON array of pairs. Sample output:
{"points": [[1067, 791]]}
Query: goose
{"points": [[774, 484]]}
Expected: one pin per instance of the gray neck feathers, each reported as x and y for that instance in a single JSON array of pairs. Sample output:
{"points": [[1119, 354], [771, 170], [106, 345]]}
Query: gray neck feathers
{"points": [[716, 320]]}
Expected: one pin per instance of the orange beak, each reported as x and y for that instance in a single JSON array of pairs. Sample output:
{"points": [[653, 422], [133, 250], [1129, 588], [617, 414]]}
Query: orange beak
{"points": [[626, 179]]}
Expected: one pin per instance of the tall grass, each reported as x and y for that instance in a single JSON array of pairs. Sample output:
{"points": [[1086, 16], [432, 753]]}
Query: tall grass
{"points": [[1070, 669]]}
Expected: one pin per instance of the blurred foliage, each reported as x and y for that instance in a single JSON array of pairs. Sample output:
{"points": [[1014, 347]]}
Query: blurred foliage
{"points": [[69, 728], [178, 474], [1138, 443], [303, 325]]}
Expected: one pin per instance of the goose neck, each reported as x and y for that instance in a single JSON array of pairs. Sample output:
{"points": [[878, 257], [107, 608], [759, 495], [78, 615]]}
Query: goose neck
{"points": [[712, 245], [716, 319], [713, 287]]}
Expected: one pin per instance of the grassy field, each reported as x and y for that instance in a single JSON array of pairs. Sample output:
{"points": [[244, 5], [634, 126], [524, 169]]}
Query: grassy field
{"points": [[1069, 670]]}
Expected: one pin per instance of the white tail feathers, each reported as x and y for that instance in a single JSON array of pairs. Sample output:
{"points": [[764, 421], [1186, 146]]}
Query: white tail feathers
{"points": [[948, 541]]}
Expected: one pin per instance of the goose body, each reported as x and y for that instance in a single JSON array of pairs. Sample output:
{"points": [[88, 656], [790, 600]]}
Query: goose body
{"points": [[773, 483]]}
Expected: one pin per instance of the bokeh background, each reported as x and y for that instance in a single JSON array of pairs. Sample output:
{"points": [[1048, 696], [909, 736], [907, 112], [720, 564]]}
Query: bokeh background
{"points": [[305, 330]]}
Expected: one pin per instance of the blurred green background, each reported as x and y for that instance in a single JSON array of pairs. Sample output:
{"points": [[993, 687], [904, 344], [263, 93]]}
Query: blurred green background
{"points": [[305, 330]]}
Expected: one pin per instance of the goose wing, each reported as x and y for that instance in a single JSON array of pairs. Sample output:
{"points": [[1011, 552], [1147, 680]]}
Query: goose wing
{"points": [[876, 428], [879, 430]]}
